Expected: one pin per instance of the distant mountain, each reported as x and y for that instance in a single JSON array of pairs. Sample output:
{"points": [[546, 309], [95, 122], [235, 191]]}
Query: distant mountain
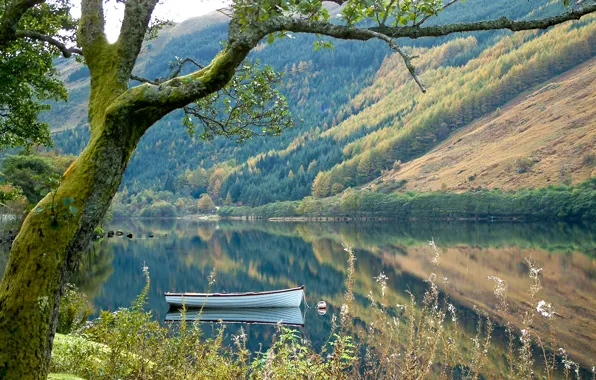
{"points": [[357, 111]]}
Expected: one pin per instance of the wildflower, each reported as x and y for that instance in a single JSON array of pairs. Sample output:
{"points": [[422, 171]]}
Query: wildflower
{"points": [[436, 256], [211, 277], [545, 309], [451, 310], [344, 309], [382, 278], [500, 286]]}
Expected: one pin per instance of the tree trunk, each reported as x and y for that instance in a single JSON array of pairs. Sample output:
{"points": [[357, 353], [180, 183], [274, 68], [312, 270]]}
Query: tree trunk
{"points": [[46, 252]]}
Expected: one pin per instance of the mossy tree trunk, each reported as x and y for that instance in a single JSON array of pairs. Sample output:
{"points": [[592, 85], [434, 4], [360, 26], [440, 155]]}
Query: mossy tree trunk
{"points": [[47, 250]]}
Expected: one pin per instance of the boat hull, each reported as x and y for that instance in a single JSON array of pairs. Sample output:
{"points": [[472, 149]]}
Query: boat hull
{"points": [[281, 298]]}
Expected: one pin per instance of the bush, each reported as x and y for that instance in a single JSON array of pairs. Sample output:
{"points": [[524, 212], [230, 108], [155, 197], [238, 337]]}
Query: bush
{"points": [[74, 310], [160, 209], [522, 165]]}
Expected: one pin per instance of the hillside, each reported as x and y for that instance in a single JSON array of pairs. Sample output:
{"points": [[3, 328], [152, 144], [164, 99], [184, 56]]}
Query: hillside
{"points": [[357, 110], [547, 136]]}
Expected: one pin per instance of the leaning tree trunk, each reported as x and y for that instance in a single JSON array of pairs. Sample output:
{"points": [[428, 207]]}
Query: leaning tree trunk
{"points": [[47, 248]]}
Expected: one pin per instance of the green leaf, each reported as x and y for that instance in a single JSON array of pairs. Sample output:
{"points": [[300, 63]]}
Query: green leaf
{"points": [[67, 200], [73, 210]]}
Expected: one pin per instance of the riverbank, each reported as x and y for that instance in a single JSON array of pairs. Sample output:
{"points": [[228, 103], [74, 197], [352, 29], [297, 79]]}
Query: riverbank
{"points": [[555, 203]]}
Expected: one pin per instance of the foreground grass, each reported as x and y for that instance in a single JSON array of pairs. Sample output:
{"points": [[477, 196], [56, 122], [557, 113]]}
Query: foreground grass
{"points": [[413, 341]]}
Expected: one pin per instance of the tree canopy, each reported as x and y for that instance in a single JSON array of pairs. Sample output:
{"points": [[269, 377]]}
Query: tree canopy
{"points": [[27, 75]]}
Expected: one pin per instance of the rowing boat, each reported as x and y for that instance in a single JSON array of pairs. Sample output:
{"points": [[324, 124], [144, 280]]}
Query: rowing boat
{"points": [[291, 316], [275, 298]]}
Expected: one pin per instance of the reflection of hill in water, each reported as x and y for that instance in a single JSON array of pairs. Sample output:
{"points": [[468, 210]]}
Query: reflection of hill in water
{"points": [[264, 255]]}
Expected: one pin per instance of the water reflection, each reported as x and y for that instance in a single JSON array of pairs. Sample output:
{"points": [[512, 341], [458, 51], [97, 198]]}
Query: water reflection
{"points": [[290, 316], [257, 256]]}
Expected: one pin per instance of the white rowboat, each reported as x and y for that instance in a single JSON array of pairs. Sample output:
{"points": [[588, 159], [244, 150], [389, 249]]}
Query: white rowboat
{"points": [[285, 315], [275, 298]]}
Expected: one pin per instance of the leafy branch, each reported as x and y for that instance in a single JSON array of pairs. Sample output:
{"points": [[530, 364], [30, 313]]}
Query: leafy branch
{"points": [[250, 105]]}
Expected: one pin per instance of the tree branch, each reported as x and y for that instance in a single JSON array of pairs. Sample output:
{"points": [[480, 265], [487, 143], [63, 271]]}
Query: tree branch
{"points": [[137, 14], [500, 23], [178, 92], [284, 23], [13, 13], [66, 51], [92, 24], [144, 80]]}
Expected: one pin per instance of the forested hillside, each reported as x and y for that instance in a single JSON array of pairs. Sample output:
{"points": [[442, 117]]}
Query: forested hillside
{"points": [[357, 112], [539, 139]]}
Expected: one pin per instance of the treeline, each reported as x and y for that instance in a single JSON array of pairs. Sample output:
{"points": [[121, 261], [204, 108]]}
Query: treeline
{"points": [[558, 202]]}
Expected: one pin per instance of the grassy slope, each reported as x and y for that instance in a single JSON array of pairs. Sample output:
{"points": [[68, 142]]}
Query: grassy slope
{"points": [[554, 124]]}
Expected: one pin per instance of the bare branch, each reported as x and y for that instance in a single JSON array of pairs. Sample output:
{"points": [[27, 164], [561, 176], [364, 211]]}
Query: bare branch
{"points": [[144, 80], [407, 58], [177, 69], [180, 65], [451, 2], [500, 23], [283, 23], [66, 51]]}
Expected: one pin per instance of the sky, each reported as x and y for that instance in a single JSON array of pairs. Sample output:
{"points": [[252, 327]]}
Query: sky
{"points": [[174, 10]]}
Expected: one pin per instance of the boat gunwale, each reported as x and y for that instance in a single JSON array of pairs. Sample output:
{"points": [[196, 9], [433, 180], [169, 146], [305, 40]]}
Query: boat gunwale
{"points": [[170, 294]]}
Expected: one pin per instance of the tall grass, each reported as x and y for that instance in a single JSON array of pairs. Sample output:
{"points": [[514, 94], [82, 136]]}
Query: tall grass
{"points": [[417, 340]]}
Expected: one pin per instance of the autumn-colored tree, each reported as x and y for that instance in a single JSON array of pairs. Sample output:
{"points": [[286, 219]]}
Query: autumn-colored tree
{"points": [[228, 96], [205, 203]]}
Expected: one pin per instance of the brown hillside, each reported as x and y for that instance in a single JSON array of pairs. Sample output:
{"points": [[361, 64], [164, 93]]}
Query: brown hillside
{"points": [[546, 137]]}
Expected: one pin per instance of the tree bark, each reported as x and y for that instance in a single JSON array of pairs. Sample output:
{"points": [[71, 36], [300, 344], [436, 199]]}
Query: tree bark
{"points": [[45, 253]]}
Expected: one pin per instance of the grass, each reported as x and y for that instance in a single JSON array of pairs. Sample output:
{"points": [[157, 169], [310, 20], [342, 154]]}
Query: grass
{"points": [[417, 340]]}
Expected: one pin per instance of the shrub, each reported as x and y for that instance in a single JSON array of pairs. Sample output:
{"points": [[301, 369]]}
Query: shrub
{"points": [[590, 159], [522, 165], [74, 310]]}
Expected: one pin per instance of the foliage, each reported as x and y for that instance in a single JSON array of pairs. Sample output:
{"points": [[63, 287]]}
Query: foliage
{"points": [[552, 202], [250, 105], [12, 198], [159, 209], [205, 203], [28, 77], [32, 173], [74, 310]]}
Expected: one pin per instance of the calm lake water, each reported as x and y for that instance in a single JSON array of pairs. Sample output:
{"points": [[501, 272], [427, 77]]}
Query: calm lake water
{"points": [[253, 256]]}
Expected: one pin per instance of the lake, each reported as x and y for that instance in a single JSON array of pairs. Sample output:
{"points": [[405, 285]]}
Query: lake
{"points": [[261, 255]]}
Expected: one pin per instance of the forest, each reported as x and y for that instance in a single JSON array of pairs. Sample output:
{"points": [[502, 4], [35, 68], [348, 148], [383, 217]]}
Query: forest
{"points": [[355, 109]]}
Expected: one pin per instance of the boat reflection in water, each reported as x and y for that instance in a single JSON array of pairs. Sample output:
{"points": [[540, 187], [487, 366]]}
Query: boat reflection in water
{"points": [[290, 316]]}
